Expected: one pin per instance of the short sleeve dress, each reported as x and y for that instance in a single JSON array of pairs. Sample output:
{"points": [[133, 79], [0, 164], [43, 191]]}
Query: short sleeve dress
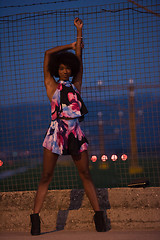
{"points": [[64, 135]]}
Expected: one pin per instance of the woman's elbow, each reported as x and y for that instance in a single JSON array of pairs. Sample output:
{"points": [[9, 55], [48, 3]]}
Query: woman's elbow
{"points": [[46, 53]]}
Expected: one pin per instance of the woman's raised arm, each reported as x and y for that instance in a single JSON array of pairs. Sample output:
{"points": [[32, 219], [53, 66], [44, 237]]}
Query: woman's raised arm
{"points": [[78, 79]]}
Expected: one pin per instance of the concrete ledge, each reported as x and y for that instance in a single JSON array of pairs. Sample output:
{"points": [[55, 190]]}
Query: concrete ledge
{"points": [[126, 208]]}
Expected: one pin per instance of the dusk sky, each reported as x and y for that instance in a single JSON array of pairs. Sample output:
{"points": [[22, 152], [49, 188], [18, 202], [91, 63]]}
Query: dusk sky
{"points": [[118, 47], [55, 4]]}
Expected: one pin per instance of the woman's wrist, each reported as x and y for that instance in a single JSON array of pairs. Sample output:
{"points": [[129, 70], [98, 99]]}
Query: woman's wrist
{"points": [[79, 36]]}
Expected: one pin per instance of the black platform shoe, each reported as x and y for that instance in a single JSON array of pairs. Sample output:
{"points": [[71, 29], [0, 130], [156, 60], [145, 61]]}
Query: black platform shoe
{"points": [[35, 224], [100, 222]]}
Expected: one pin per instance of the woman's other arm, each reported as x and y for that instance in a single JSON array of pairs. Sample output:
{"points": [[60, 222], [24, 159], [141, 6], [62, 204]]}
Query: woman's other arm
{"points": [[49, 81]]}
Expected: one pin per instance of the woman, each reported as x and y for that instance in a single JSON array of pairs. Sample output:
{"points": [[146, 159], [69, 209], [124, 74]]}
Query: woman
{"points": [[64, 135]]}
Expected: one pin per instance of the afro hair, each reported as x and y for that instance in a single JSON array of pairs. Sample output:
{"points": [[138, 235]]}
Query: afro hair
{"points": [[64, 57]]}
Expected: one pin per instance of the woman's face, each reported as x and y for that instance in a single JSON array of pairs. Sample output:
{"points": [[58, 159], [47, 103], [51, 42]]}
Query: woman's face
{"points": [[64, 72]]}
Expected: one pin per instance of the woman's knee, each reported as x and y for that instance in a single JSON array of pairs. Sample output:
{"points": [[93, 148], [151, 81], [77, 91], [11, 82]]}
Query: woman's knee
{"points": [[46, 177], [85, 174]]}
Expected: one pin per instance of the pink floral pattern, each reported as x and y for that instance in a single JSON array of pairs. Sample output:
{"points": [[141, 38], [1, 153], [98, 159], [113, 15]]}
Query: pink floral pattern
{"points": [[66, 102], [75, 104], [65, 136]]}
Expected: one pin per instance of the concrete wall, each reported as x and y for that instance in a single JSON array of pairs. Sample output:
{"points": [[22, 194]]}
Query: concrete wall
{"points": [[125, 208]]}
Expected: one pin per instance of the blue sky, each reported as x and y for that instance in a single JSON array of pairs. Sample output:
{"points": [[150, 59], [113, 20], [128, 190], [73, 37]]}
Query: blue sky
{"points": [[58, 5], [118, 46]]}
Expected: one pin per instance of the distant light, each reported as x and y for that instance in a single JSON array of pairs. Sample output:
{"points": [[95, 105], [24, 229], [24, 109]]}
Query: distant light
{"points": [[124, 157], [114, 157], [100, 82], [104, 158], [116, 130], [120, 113], [1, 163], [131, 81], [94, 158], [99, 114], [140, 112]]}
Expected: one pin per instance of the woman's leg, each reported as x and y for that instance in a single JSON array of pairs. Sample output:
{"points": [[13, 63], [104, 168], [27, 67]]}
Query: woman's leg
{"points": [[49, 163], [82, 163]]}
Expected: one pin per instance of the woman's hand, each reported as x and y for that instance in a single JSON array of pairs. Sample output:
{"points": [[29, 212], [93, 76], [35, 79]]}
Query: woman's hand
{"points": [[74, 46], [78, 23]]}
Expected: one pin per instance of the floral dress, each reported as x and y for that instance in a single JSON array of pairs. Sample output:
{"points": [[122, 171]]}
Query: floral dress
{"points": [[64, 136]]}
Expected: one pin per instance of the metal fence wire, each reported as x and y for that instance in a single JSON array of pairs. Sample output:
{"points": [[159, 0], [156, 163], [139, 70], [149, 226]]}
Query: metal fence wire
{"points": [[121, 88]]}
